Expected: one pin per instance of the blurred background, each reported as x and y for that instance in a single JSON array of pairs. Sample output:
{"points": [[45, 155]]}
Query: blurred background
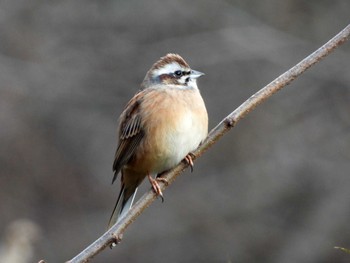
{"points": [[275, 189]]}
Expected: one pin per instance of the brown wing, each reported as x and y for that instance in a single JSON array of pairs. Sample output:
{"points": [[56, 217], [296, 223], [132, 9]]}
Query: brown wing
{"points": [[130, 134]]}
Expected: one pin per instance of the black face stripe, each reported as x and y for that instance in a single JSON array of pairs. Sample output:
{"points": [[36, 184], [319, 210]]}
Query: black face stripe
{"points": [[179, 73], [178, 77]]}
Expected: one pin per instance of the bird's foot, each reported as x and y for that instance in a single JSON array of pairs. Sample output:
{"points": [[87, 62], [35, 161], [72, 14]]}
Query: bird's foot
{"points": [[155, 185], [189, 161]]}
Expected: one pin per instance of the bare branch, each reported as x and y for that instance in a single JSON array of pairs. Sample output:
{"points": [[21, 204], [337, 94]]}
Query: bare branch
{"points": [[114, 235]]}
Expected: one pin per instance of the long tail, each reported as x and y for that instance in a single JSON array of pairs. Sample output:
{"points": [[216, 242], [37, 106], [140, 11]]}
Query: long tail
{"points": [[124, 202]]}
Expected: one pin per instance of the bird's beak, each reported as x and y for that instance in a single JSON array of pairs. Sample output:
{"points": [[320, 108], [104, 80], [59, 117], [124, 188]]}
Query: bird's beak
{"points": [[196, 74]]}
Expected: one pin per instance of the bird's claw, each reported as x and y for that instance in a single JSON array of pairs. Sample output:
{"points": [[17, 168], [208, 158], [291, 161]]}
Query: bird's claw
{"points": [[156, 187], [189, 161]]}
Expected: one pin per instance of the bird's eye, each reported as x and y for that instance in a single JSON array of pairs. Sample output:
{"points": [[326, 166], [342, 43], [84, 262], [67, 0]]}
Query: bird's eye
{"points": [[178, 73]]}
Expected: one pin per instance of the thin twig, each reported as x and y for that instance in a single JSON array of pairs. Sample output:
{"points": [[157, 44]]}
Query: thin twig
{"points": [[114, 235]]}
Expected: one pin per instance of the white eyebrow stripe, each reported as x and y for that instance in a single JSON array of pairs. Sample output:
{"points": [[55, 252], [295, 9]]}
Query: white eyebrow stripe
{"points": [[169, 68]]}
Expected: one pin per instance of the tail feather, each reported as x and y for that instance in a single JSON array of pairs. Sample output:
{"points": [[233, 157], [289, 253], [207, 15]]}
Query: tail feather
{"points": [[123, 205]]}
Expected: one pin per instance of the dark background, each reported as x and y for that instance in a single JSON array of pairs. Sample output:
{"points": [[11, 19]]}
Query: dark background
{"points": [[275, 189]]}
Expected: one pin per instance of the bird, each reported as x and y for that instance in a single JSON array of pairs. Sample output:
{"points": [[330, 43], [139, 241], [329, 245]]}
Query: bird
{"points": [[160, 126]]}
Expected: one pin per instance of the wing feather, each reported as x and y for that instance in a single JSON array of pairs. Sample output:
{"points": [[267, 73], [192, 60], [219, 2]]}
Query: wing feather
{"points": [[130, 134]]}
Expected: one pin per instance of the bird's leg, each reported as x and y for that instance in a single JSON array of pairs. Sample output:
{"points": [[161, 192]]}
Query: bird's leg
{"points": [[189, 161], [162, 179], [155, 185]]}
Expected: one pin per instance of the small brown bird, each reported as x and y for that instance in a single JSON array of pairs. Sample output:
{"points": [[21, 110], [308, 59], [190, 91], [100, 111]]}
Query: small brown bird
{"points": [[159, 127]]}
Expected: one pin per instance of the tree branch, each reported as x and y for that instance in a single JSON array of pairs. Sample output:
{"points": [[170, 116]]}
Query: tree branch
{"points": [[114, 234]]}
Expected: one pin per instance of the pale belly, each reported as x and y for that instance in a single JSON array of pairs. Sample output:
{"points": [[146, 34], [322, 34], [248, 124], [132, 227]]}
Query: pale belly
{"points": [[171, 133], [179, 142], [166, 144], [171, 144]]}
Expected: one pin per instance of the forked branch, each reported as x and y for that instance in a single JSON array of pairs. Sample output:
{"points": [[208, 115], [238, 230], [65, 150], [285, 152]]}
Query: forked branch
{"points": [[114, 234]]}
